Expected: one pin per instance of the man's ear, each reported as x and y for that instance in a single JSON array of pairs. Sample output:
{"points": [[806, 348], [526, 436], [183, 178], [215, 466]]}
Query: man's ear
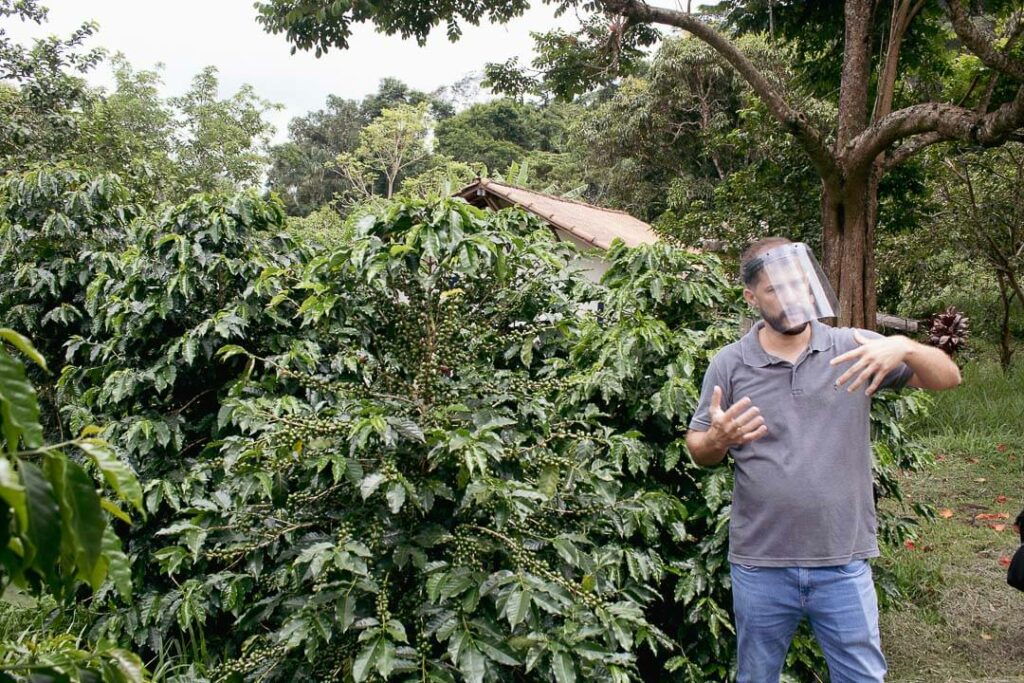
{"points": [[748, 296]]}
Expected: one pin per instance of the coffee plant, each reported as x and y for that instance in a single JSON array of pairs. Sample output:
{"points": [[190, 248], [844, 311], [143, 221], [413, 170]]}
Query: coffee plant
{"points": [[56, 536], [431, 451]]}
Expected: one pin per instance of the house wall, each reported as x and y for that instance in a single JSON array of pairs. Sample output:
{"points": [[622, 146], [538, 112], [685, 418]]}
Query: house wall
{"points": [[591, 259]]}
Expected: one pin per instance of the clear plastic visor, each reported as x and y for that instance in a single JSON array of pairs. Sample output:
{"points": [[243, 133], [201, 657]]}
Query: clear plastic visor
{"points": [[790, 285]]}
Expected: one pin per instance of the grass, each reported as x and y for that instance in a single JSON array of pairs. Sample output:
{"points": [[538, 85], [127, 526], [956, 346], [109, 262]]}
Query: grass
{"points": [[963, 622]]}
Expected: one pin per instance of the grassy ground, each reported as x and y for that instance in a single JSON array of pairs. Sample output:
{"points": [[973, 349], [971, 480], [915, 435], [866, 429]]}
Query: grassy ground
{"points": [[964, 623]]}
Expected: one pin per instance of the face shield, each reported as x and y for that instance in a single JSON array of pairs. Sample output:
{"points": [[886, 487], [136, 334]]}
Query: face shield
{"points": [[790, 287]]}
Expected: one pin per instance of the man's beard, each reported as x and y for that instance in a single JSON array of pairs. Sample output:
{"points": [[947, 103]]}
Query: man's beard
{"points": [[777, 323]]}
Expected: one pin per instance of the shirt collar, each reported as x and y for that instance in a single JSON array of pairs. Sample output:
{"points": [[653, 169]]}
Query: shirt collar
{"points": [[754, 355]]}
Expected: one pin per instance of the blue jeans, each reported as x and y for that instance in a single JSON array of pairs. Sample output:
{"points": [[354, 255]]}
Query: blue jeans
{"points": [[839, 602]]}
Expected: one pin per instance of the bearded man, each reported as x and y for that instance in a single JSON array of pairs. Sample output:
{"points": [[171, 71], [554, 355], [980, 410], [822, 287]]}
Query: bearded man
{"points": [[794, 413]]}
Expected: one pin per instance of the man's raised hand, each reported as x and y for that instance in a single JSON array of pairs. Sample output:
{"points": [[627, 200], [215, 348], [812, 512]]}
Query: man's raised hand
{"points": [[740, 424], [875, 359]]}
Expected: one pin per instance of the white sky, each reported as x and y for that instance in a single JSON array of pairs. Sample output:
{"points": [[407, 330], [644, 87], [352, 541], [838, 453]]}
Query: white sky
{"points": [[188, 35]]}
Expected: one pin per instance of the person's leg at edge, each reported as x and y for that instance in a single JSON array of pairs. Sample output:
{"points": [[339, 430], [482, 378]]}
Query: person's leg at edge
{"points": [[843, 611], [766, 602]]}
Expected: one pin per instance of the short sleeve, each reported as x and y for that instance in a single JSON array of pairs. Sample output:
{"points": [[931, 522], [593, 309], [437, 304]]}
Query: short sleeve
{"points": [[716, 375], [899, 376]]}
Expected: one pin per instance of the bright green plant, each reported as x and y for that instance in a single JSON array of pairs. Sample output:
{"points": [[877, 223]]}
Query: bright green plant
{"points": [[55, 526], [433, 451]]}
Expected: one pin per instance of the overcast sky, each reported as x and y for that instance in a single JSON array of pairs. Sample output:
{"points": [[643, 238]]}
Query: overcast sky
{"points": [[187, 35]]}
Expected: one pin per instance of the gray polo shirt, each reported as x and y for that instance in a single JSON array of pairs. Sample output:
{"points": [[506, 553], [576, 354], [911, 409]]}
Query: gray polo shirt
{"points": [[803, 494]]}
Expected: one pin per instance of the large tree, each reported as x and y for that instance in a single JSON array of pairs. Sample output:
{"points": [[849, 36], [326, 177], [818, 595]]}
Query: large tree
{"points": [[869, 135]]}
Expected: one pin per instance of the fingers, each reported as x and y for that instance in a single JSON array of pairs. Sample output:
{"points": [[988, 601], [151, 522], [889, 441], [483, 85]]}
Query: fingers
{"points": [[852, 370], [748, 416], [741, 423], [716, 399], [853, 353], [758, 433], [848, 356], [863, 377], [877, 382], [736, 408]]}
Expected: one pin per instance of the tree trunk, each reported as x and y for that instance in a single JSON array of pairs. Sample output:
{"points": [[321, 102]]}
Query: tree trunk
{"points": [[848, 216]]}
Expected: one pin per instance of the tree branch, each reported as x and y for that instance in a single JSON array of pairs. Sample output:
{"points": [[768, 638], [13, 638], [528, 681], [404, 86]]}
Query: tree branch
{"points": [[912, 147], [946, 120], [978, 43], [915, 145], [795, 122]]}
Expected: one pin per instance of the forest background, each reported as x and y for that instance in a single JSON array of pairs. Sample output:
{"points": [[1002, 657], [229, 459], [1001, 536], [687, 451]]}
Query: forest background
{"points": [[305, 417]]}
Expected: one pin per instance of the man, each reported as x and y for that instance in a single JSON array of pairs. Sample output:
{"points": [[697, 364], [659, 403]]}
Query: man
{"points": [[791, 401]]}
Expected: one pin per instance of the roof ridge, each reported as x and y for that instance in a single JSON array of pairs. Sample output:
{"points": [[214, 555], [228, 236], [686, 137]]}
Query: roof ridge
{"points": [[488, 181]]}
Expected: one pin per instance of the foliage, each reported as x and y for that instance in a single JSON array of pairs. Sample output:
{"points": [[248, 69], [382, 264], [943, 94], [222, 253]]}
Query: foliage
{"points": [[314, 27], [55, 527], [390, 147], [302, 170], [130, 132], [502, 132], [299, 168], [324, 229], [221, 143], [601, 50], [426, 424], [485, 486], [55, 227], [40, 87], [162, 149], [444, 177], [984, 214]]}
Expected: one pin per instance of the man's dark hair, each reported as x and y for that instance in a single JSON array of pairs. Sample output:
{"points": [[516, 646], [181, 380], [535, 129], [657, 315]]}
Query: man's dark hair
{"points": [[750, 264]]}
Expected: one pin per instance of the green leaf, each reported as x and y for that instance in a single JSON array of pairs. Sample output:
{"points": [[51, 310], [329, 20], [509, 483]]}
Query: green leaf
{"points": [[19, 408], [547, 482], [472, 664], [396, 497], [111, 507], [13, 492], [385, 663], [24, 345], [517, 607], [563, 668], [230, 350], [119, 568], [44, 532], [117, 474], [83, 516], [127, 664], [370, 484], [367, 659], [526, 352]]}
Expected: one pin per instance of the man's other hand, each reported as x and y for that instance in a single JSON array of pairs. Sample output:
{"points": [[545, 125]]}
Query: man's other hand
{"points": [[740, 424], [875, 359]]}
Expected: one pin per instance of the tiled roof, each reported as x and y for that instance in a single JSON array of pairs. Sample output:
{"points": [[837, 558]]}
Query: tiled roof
{"points": [[586, 222]]}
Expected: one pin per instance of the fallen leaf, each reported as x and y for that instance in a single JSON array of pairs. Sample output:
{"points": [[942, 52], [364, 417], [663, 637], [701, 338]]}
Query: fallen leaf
{"points": [[997, 527], [940, 458], [1000, 499], [1001, 447], [1004, 560], [945, 513], [985, 636], [992, 515]]}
